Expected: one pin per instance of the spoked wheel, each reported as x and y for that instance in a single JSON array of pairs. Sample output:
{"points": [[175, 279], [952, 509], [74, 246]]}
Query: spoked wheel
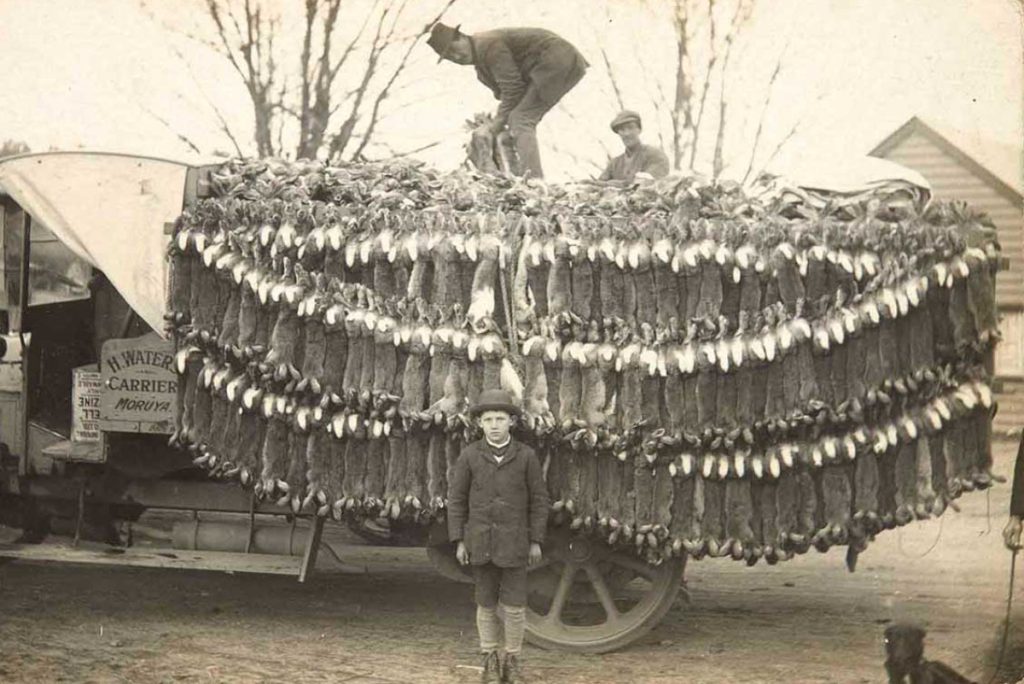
{"points": [[590, 598]]}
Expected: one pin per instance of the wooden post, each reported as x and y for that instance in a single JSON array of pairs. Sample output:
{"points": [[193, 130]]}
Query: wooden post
{"points": [[81, 514], [252, 523], [312, 547], [26, 255]]}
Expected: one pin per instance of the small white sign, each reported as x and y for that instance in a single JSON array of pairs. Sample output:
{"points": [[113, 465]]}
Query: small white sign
{"points": [[85, 395]]}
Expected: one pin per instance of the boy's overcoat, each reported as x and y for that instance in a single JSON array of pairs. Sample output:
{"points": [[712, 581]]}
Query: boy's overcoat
{"points": [[497, 509]]}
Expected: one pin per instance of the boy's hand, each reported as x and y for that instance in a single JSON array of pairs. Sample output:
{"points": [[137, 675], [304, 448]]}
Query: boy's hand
{"points": [[536, 556], [1011, 533], [461, 554]]}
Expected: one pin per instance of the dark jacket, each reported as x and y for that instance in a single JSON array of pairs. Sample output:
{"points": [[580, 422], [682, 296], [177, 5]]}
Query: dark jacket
{"points": [[497, 509], [645, 158], [508, 60], [1017, 495]]}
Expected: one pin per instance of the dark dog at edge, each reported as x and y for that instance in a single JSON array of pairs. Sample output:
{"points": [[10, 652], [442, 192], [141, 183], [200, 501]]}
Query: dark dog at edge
{"points": [[905, 663]]}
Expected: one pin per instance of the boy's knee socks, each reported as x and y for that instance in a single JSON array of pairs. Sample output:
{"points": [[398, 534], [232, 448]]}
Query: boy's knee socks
{"points": [[489, 628], [515, 625]]}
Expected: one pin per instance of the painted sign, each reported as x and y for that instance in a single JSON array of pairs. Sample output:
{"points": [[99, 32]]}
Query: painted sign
{"points": [[85, 404], [139, 385]]}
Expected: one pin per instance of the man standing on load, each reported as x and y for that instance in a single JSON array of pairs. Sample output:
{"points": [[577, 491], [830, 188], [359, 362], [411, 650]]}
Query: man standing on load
{"points": [[528, 69], [638, 158]]}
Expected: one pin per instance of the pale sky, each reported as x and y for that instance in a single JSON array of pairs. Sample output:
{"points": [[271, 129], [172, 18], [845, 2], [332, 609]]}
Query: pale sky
{"points": [[82, 73]]}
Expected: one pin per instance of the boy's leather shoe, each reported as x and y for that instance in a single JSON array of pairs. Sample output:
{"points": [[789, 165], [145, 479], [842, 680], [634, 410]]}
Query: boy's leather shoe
{"points": [[492, 669], [511, 672]]}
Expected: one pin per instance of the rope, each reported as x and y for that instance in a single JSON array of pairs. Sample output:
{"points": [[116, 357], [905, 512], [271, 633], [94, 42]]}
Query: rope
{"points": [[988, 512], [931, 548], [1006, 622], [510, 323]]}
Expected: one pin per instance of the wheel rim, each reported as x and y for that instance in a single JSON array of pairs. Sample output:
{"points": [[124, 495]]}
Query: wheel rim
{"points": [[616, 613]]}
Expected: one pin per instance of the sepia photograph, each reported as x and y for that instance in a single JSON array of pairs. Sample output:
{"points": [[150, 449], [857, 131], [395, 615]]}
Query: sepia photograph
{"points": [[547, 341]]}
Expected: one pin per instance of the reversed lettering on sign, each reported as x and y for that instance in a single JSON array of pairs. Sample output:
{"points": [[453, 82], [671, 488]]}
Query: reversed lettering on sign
{"points": [[85, 396]]}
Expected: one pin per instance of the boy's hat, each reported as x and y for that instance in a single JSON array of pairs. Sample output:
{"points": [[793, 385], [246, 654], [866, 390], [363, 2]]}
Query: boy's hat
{"points": [[494, 400], [441, 37]]}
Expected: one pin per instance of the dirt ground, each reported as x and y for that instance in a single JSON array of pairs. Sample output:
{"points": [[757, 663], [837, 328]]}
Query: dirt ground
{"points": [[808, 620]]}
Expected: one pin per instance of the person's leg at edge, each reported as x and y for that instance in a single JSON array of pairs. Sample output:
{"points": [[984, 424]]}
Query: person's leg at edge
{"points": [[522, 122]]}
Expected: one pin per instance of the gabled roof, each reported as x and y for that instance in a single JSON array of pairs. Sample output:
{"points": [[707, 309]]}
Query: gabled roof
{"points": [[916, 125]]}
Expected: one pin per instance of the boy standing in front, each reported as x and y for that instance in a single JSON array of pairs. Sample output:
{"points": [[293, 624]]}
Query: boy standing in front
{"points": [[498, 513]]}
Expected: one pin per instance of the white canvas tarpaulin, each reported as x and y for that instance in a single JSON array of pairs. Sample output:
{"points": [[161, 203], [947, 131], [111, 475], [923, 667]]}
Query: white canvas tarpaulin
{"points": [[817, 182], [854, 175], [110, 210]]}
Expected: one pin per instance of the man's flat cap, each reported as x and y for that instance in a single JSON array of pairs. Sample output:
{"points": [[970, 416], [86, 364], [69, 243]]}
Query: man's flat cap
{"points": [[624, 117]]}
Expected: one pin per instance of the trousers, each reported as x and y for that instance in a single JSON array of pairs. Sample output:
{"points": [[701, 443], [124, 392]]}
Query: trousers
{"points": [[494, 584], [522, 124]]}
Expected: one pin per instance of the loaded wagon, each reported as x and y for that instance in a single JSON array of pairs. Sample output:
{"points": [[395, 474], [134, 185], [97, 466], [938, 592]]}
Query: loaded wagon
{"points": [[705, 371]]}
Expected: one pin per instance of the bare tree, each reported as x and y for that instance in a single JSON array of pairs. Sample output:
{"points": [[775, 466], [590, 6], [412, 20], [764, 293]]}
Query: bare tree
{"points": [[697, 106], [319, 90]]}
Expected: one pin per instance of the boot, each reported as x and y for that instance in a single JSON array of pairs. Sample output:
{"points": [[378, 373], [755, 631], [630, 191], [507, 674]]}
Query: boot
{"points": [[511, 672], [492, 668]]}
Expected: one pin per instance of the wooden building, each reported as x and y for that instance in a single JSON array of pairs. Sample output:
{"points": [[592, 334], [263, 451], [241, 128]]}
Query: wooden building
{"points": [[956, 174]]}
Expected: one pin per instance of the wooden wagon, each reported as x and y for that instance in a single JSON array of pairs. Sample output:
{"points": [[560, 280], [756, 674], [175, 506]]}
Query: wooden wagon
{"points": [[706, 372]]}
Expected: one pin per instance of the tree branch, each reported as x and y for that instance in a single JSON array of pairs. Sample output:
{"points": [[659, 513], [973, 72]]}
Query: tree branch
{"points": [[227, 51], [407, 153], [396, 109], [663, 111], [178, 134], [741, 16], [306, 74], [775, 150], [340, 141], [384, 92], [611, 77], [580, 125], [682, 112], [764, 112], [718, 163], [786, 138], [170, 28], [576, 159], [224, 127], [708, 73], [352, 45]]}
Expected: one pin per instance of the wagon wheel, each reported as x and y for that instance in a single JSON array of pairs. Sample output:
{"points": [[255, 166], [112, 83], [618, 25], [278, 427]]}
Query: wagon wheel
{"points": [[442, 557], [543, 580], [591, 609]]}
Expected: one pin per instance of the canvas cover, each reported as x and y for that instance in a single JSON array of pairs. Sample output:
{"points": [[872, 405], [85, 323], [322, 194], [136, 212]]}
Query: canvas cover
{"points": [[110, 210]]}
